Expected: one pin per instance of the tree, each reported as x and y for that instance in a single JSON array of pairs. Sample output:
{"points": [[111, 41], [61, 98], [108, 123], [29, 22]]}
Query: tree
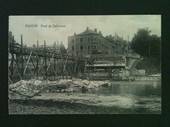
{"points": [[62, 48], [148, 46], [145, 44], [155, 43]]}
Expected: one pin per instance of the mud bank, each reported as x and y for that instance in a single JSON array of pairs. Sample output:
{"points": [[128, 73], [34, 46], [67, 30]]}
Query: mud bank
{"points": [[85, 104]]}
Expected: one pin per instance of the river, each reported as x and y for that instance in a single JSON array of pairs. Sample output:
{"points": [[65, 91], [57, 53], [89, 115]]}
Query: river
{"points": [[119, 98]]}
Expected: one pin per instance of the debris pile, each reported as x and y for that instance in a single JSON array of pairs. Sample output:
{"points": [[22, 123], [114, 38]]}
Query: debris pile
{"points": [[28, 88], [34, 87], [76, 85]]}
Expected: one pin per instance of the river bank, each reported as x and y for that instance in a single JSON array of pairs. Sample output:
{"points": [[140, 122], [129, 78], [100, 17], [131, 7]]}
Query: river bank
{"points": [[86, 104], [100, 97]]}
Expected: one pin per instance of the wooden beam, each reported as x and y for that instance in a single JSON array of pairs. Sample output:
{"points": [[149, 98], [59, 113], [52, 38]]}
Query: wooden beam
{"points": [[45, 59], [22, 59], [27, 63]]}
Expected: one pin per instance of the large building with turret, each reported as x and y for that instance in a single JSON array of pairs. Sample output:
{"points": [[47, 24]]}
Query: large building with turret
{"points": [[92, 42]]}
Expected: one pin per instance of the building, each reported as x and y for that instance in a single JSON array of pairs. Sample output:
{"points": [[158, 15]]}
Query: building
{"points": [[107, 56], [91, 42]]}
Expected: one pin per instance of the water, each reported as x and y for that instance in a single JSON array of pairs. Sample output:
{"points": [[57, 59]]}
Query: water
{"points": [[139, 97], [139, 89], [119, 98]]}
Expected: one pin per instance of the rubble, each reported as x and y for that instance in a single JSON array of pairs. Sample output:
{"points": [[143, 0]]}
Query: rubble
{"points": [[30, 88], [27, 88]]}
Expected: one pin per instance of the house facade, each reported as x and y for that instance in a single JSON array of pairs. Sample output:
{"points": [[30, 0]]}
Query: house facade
{"points": [[91, 42]]}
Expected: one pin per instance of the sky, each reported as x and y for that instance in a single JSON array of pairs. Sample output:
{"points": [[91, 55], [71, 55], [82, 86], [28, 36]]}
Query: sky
{"points": [[58, 28]]}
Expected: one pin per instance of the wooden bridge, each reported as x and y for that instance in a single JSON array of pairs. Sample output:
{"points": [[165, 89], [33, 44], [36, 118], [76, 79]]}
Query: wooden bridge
{"points": [[46, 62], [26, 62]]}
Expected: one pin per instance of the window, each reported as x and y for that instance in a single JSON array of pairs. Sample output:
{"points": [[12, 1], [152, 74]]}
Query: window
{"points": [[81, 39], [94, 47], [81, 47], [90, 39], [72, 41], [88, 47], [106, 52]]}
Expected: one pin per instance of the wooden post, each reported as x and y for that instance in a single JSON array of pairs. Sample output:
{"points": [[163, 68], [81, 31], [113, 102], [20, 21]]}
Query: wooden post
{"points": [[54, 60], [22, 59], [37, 62], [12, 66], [54, 68], [45, 60], [64, 68], [27, 63]]}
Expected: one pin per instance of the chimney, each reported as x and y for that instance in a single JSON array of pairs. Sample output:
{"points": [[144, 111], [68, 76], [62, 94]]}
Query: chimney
{"points": [[74, 33], [95, 30], [87, 28]]}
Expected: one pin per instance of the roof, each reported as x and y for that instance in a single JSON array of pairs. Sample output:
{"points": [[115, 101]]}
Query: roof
{"points": [[155, 75], [88, 31], [104, 66]]}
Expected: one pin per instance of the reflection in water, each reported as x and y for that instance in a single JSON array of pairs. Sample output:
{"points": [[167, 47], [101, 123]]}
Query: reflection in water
{"points": [[145, 95], [132, 89]]}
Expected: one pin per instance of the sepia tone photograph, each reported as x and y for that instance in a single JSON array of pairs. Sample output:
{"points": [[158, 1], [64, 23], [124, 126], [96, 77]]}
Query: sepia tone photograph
{"points": [[84, 64]]}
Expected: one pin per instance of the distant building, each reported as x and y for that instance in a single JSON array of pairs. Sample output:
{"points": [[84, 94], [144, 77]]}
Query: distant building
{"points": [[91, 42]]}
